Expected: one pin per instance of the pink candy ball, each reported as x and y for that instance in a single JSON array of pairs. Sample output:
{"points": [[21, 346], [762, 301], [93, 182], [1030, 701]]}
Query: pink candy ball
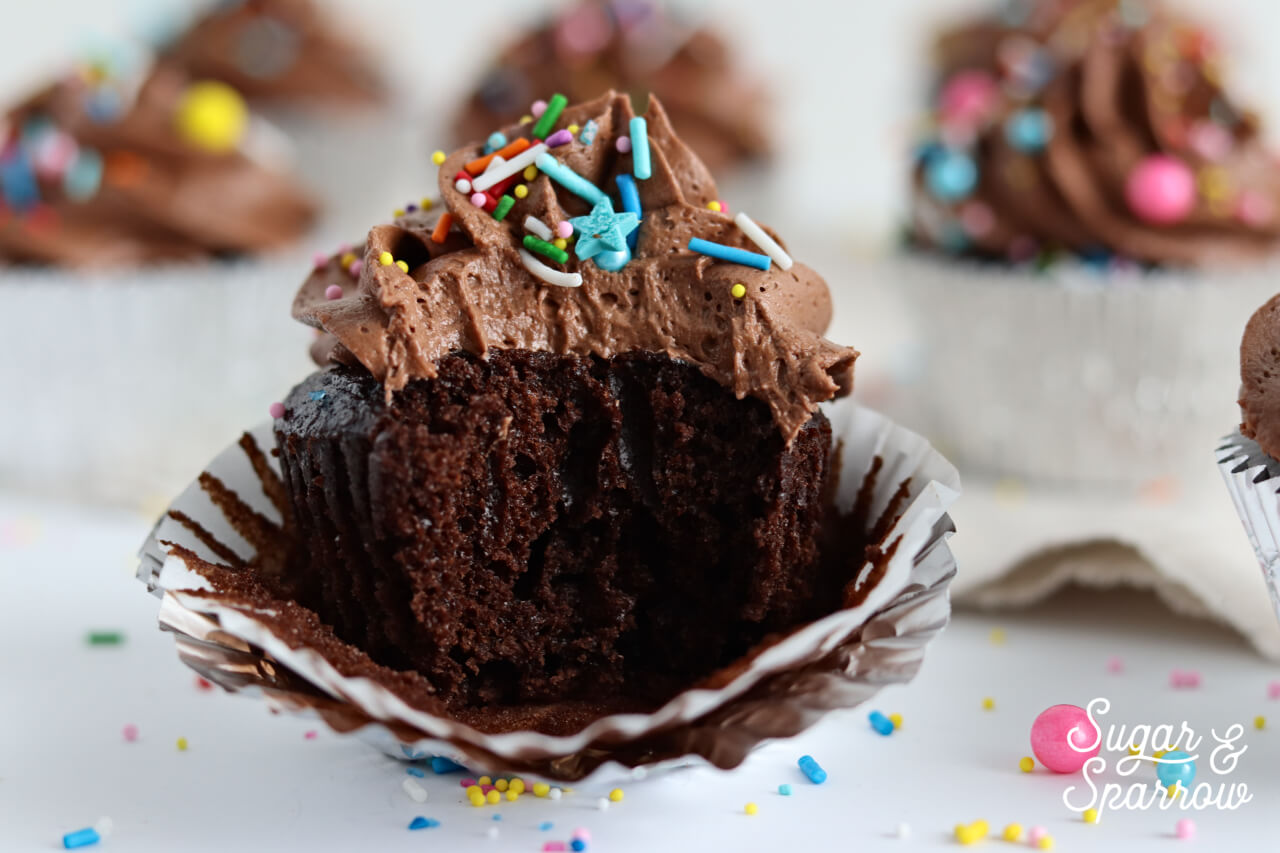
{"points": [[1049, 734], [478, 199], [276, 410], [564, 229], [1185, 829], [538, 108], [967, 96], [1036, 833], [623, 144], [130, 732], [1161, 190], [333, 291]]}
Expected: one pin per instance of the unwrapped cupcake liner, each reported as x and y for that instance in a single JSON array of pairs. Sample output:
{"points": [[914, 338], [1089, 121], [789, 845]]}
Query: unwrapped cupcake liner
{"points": [[778, 690], [1074, 377], [1253, 479]]}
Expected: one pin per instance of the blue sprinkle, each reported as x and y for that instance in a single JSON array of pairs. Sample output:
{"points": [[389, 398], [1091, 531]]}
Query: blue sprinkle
{"points": [[441, 765], [812, 769], [80, 838], [497, 817], [423, 823], [319, 395], [545, 825], [880, 723], [569, 179], [411, 753], [412, 771], [588, 134], [19, 182], [729, 253], [495, 141], [631, 204], [784, 790], [578, 844], [640, 165], [83, 176], [1029, 130], [950, 175]]}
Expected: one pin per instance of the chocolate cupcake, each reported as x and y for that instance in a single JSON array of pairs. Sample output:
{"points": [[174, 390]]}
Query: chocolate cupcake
{"points": [[642, 48], [572, 458], [1087, 192]]}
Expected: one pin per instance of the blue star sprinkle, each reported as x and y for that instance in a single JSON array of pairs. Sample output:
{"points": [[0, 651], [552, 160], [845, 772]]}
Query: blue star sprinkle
{"points": [[603, 230]]}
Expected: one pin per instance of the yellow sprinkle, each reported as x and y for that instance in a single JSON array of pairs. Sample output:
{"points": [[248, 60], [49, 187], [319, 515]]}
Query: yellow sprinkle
{"points": [[477, 799], [1259, 723], [484, 780], [530, 172], [472, 790], [988, 704], [517, 785], [1012, 832], [427, 204], [403, 266], [385, 259], [502, 784], [182, 744], [573, 128], [972, 833], [526, 119], [348, 259], [616, 795], [437, 157], [541, 789], [493, 797], [1045, 842], [513, 795], [1026, 764], [896, 719], [714, 205], [521, 191], [997, 636], [212, 116], [738, 291], [398, 212], [751, 808], [1090, 815]]}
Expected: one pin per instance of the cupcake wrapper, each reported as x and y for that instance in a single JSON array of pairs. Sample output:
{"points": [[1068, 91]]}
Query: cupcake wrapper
{"points": [[1074, 377], [778, 690], [1253, 479]]}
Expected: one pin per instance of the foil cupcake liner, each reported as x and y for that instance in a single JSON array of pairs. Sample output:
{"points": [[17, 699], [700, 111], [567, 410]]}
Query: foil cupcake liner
{"points": [[1253, 480], [1073, 377], [778, 690]]}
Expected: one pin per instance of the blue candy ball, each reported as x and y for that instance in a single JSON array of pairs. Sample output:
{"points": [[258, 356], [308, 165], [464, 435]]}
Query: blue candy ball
{"points": [[612, 261], [1029, 130], [495, 141], [1174, 767], [950, 175]]}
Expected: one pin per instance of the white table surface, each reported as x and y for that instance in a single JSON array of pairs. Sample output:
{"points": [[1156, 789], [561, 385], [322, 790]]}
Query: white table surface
{"points": [[252, 781]]}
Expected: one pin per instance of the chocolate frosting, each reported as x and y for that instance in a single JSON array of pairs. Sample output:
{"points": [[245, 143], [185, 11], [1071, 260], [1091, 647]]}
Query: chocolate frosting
{"points": [[1260, 378], [278, 50], [632, 46], [95, 173], [472, 292], [1056, 103]]}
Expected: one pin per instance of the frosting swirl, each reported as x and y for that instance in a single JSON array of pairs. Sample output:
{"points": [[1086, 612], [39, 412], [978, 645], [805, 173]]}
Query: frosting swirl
{"points": [[105, 169], [403, 300], [1094, 127]]}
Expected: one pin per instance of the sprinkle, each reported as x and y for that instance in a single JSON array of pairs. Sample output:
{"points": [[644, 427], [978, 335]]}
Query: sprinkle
{"points": [[481, 164], [530, 172], [203, 683], [513, 795], [1185, 829], [478, 199], [751, 808], [971, 833], [1045, 842], [403, 266], [385, 259], [602, 804], [577, 845], [504, 207], [538, 107], [105, 638], [493, 797], [631, 204], [462, 185], [416, 792], [437, 157], [512, 166], [564, 229], [1090, 816], [1036, 833], [1259, 722], [467, 783], [569, 179], [784, 790], [997, 636], [81, 838], [728, 253], [766, 244], [333, 292], [546, 824], [623, 144], [880, 723], [312, 734], [476, 798], [589, 132], [896, 719], [355, 267], [495, 141], [581, 832], [1115, 665], [738, 290], [616, 795], [1026, 764], [347, 258], [540, 789], [538, 228], [130, 732], [517, 785], [542, 247], [549, 116], [812, 769], [492, 832], [560, 137], [1273, 690], [560, 243], [560, 279], [904, 831], [212, 116], [1189, 678], [557, 793], [988, 704], [276, 410], [1012, 832], [423, 823], [521, 190], [554, 847], [426, 203], [501, 784], [397, 213], [416, 772], [442, 228], [640, 166], [182, 744], [526, 119]]}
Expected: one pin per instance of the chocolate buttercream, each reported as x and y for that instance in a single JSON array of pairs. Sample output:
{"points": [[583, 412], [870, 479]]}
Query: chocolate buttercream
{"points": [[278, 50], [637, 47], [98, 171], [1260, 378], [473, 292], [1046, 114]]}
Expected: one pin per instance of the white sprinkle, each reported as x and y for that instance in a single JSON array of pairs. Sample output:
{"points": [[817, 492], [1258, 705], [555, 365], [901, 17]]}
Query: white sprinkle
{"points": [[540, 270], [509, 168], [492, 832], [463, 186], [416, 792], [602, 804], [639, 773], [495, 163], [104, 826], [555, 793], [904, 831], [766, 243], [538, 228]]}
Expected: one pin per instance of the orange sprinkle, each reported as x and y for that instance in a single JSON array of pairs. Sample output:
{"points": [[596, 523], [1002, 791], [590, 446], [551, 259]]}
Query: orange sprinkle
{"points": [[442, 228], [508, 151], [124, 168]]}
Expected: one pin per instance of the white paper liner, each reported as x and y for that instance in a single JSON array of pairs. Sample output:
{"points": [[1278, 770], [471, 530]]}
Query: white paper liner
{"points": [[1253, 479], [838, 661], [1076, 378]]}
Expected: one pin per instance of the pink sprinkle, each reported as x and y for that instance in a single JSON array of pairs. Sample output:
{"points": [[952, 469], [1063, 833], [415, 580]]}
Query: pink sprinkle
{"points": [[1036, 833], [276, 410], [1115, 665], [332, 292], [1186, 829], [321, 259], [1188, 678], [623, 144], [467, 783], [478, 199], [1273, 690], [564, 229], [130, 732], [311, 735], [554, 847], [487, 788], [355, 267], [203, 683], [560, 137], [538, 108], [582, 832]]}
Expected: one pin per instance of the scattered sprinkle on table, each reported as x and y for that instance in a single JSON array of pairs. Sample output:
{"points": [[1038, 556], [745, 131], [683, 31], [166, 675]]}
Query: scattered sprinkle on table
{"points": [[751, 809], [896, 719], [1184, 678], [541, 789], [1026, 764], [616, 795], [1012, 832], [988, 704], [1115, 665], [1036, 833], [812, 769], [602, 804], [545, 825], [578, 845], [1090, 816], [80, 838], [904, 831], [997, 636], [182, 744], [784, 790], [492, 832], [971, 833], [312, 734], [105, 638], [423, 823], [204, 683], [1185, 829], [416, 771], [1273, 690], [437, 157], [1259, 722], [880, 723], [416, 792], [130, 732]]}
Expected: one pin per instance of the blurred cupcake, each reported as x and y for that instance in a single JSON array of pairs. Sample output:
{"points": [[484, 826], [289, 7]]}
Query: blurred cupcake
{"points": [[1090, 214], [138, 204]]}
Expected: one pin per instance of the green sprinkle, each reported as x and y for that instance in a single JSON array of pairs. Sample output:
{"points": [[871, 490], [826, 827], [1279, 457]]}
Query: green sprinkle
{"points": [[542, 247], [549, 116], [504, 207], [105, 638]]}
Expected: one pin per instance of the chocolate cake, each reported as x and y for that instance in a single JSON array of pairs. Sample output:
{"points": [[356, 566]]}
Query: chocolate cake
{"points": [[599, 476]]}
